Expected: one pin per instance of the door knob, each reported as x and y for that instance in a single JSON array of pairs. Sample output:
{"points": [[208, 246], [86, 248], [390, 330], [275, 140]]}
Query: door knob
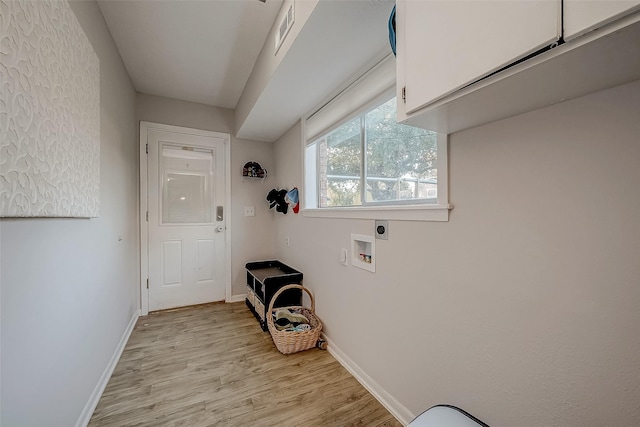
{"points": [[220, 228]]}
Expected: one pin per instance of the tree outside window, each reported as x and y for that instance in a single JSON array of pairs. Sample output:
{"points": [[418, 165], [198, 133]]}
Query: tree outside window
{"points": [[396, 163]]}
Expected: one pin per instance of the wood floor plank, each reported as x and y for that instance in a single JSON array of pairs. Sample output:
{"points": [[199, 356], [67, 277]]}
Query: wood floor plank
{"points": [[212, 365]]}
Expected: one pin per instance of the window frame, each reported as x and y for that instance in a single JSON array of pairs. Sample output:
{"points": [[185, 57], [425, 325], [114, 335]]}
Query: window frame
{"points": [[411, 210]]}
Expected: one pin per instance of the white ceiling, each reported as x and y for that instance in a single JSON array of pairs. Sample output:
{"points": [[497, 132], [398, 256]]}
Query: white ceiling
{"points": [[199, 51], [205, 50]]}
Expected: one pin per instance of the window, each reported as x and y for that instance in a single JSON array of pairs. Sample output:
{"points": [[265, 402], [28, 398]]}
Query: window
{"points": [[360, 163], [373, 160]]}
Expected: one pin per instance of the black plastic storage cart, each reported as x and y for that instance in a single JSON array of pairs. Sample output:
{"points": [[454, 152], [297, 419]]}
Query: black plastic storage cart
{"points": [[264, 278]]}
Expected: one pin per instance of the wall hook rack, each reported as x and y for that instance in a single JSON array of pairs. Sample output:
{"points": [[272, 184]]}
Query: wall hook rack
{"points": [[253, 170]]}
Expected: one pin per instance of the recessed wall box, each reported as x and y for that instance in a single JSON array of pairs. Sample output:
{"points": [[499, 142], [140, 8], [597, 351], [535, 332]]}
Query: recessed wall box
{"points": [[363, 252]]}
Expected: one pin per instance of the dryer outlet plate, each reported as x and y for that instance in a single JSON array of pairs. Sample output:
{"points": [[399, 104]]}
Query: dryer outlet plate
{"points": [[382, 229]]}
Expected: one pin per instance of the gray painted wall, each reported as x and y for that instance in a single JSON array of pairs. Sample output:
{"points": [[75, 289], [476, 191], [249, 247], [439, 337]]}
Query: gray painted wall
{"points": [[523, 308], [69, 287]]}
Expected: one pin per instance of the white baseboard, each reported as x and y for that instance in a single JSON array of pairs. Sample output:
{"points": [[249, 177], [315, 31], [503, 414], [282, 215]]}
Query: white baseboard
{"points": [[237, 298], [398, 410], [87, 412]]}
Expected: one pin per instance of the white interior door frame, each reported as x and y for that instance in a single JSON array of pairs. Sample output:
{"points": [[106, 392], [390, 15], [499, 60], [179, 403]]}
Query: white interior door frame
{"points": [[144, 230]]}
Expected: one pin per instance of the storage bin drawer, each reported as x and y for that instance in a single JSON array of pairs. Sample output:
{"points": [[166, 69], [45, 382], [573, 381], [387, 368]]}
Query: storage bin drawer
{"points": [[259, 306], [251, 297]]}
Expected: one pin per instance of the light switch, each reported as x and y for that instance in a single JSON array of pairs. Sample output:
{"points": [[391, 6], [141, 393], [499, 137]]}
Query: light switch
{"points": [[343, 256]]}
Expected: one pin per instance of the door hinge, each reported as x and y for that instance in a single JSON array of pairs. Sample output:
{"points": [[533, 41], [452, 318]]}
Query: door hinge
{"points": [[147, 283], [147, 216], [404, 94], [147, 149]]}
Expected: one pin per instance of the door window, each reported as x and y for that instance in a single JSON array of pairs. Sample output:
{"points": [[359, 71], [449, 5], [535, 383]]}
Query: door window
{"points": [[187, 188]]}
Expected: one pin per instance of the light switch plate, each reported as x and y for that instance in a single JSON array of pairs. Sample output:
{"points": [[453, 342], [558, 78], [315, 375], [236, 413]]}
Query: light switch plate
{"points": [[344, 256]]}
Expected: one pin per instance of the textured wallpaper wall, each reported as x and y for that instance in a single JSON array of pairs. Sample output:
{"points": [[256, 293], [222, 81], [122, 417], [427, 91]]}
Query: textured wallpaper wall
{"points": [[49, 113]]}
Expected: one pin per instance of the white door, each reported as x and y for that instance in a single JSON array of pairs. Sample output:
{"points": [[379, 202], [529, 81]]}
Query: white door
{"points": [[186, 217]]}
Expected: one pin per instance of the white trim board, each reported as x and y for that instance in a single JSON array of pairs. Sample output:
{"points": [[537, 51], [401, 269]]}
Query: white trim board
{"points": [[87, 411], [228, 221], [237, 298], [398, 410], [144, 232]]}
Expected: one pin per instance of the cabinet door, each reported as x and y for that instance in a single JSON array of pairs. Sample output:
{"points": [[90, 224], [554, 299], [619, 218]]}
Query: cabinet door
{"points": [[581, 16], [449, 44]]}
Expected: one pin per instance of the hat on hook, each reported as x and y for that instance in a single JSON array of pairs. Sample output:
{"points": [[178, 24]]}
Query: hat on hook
{"points": [[293, 199]]}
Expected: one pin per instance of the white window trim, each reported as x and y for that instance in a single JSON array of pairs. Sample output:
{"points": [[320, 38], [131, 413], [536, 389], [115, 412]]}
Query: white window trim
{"points": [[409, 212]]}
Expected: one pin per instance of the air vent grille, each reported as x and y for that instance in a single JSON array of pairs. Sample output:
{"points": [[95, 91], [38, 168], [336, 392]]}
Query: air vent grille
{"points": [[285, 25]]}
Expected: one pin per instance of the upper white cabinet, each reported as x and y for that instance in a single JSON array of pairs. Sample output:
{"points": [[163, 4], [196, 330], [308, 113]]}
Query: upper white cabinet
{"points": [[581, 16], [450, 44], [464, 63]]}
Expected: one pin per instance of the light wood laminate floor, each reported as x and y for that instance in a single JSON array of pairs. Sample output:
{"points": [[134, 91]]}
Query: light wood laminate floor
{"points": [[212, 365]]}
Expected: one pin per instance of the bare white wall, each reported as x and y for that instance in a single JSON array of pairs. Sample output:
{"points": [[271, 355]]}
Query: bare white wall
{"points": [[251, 237], [69, 286], [523, 308]]}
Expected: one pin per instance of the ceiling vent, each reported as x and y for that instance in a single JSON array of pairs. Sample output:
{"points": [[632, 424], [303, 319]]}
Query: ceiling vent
{"points": [[283, 28]]}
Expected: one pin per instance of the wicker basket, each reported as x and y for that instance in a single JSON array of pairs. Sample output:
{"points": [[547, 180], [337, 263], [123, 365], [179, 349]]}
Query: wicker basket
{"points": [[288, 342]]}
